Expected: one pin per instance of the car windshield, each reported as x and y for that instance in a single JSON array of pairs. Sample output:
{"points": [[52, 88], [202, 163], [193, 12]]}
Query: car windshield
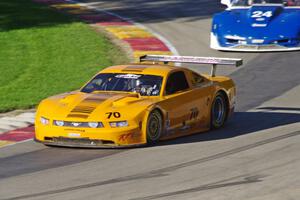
{"points": [[146, 85], [251, 2]]}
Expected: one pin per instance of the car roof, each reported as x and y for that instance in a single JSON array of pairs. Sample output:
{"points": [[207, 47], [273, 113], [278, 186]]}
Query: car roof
{"points": [[148, 69]]}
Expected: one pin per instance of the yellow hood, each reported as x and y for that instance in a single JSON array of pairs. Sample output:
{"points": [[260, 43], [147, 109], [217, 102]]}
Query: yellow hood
{"points": [[94, 107]]}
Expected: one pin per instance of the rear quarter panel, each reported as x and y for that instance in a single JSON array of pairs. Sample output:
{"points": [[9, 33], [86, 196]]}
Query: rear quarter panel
{"points": [[226, 85]]}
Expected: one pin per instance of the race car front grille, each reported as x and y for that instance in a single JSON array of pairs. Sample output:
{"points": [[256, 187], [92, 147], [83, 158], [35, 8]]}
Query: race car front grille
{"points": [[63, 141], [232, 41], [282, 41], [77, 124]]}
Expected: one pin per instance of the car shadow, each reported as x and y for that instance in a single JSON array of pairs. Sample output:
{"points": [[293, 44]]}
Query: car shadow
{"points": [[243, 123]]}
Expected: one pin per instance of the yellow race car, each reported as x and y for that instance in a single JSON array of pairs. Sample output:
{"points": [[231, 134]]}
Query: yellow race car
{"points": [[137, 104]]}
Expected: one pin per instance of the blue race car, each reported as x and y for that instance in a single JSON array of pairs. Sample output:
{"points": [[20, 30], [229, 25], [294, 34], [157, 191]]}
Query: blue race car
{"points": [[257, 25]]}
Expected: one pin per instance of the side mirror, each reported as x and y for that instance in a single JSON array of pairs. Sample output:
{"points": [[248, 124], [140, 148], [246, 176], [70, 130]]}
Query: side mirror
{"points": [[226, 2]]}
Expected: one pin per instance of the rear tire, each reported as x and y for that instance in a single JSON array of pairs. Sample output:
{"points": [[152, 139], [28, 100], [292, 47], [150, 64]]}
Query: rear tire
{"points": [[154, 127], [219, 111]]}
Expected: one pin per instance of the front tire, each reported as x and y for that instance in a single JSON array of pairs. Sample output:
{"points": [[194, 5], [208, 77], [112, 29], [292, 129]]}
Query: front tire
{"points": [[154, 127], [219, 111]]}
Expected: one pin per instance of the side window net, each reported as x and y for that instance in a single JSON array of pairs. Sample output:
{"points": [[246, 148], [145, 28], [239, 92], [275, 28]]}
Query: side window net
{"points": [[176, 82]]}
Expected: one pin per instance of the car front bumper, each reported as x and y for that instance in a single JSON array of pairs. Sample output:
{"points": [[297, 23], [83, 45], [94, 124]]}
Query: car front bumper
{"points": [[214, 44], [90, 138], [85, 143]]}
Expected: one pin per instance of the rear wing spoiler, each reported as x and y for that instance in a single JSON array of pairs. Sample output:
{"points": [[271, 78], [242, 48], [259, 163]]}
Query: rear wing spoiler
{"points": [[194, 60]]}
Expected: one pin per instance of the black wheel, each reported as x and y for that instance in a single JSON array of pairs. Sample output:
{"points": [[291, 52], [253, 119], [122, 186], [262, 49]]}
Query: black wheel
{"points": [[154, 127], [219, 111]]}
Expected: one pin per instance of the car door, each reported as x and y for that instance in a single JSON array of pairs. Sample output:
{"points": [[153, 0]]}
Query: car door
{"points": [[177, 102], [202, 91]]}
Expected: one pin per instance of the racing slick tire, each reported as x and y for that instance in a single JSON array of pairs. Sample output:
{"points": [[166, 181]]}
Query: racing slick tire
{"points": [[154, 127], [219, 111]]}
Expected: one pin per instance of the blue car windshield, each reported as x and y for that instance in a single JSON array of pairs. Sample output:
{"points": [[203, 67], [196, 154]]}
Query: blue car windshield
{"points": [[251, 2], [146, 85]]}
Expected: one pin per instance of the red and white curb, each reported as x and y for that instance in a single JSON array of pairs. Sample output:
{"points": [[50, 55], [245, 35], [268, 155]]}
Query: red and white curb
{"points": [[12, 128], [141, 40]]}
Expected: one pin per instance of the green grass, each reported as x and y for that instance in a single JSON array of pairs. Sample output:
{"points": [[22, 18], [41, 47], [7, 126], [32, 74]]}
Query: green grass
{"points": [[44, 52]]}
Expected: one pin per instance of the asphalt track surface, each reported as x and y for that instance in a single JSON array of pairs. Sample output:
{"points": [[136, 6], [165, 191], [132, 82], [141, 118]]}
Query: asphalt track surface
{"points": [[255, 156]]}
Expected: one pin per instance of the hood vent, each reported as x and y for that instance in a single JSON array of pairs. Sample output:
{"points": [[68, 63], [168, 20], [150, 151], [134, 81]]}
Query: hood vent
{"points": [[86, 107], [83, 109], [78, 116], [93, 100], [134, 68]]}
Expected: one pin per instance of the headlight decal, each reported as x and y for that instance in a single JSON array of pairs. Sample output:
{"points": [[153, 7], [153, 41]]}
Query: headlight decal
{"points": [[59, 123], [44, 121], [93, 124], [118, 124]]}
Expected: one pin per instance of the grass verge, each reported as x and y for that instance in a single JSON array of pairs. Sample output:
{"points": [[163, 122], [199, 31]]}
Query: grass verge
{"points": [[44, 52]]}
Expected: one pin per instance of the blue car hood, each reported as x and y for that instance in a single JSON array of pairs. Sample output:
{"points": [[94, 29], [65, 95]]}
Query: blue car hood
{"points": [[263, 22]]}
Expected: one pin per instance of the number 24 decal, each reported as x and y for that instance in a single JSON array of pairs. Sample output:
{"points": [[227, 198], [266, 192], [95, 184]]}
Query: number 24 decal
{"points": [[114, 114], [258, 14]]}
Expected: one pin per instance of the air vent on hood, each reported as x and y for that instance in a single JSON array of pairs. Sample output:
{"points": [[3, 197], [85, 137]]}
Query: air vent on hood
{"points": [[87, 106], [93, 100], [83, 109], [134, 68], [78, 116]]}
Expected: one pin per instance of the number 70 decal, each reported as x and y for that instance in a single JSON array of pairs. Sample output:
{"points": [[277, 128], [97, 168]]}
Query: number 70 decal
{"points": [[194, 113], [258, 14], [113, 114]]}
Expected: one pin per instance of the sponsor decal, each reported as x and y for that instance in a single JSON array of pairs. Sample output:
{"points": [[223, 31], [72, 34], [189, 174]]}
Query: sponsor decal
{"points": [[259, 25], [74, 134], [128, 76], [257, 41], [128, 136]]}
